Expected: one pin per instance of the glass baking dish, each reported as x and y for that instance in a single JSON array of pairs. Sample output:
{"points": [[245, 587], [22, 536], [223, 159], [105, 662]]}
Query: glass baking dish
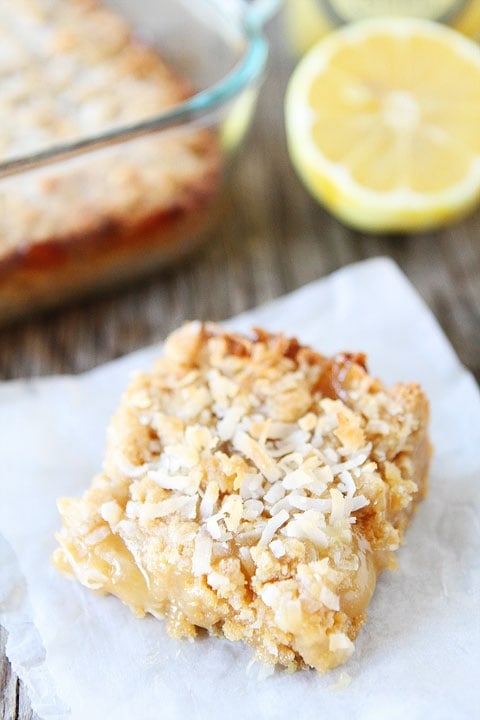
{"points": [[91, 195]]}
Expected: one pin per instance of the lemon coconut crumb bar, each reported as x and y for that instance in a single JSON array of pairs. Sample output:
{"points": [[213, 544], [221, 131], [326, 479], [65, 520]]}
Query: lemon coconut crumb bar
{"points": [[255, 488]]}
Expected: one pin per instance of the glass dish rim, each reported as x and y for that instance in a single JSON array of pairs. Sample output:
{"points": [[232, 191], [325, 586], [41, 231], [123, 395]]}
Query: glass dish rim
{"points": [[246, 71]]}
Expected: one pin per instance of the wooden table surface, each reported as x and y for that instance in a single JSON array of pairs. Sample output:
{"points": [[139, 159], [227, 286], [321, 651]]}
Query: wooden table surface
{"points": [[271, 239]]}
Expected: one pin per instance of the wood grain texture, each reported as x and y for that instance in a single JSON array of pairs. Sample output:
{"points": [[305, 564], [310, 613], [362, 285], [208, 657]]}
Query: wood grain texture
{"points": [[271, 239], [14, 704]]}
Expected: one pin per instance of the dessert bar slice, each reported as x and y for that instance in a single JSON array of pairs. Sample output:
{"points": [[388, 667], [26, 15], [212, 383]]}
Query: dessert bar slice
{"points": [[255, 488]]}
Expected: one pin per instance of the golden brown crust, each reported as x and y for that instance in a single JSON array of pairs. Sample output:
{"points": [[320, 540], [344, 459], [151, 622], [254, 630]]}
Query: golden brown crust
{"points": [[252, 502], [114, 213], [115, 248]]}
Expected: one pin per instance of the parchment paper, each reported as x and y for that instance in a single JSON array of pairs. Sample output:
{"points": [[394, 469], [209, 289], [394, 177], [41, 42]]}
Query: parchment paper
{"points": [[86, 657]]}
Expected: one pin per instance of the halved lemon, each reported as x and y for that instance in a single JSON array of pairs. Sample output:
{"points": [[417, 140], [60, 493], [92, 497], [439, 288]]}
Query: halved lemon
{"points": [[383, 124]]}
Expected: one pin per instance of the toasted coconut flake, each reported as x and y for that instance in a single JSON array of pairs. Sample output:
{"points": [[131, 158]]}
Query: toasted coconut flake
{"points": [[278, 548], [227, 426], [280, 430], [354, 461], [340, 641], [317, 489], [209, 500], [252, 509], [270, 594], [233, 508], [252, 487], [221, 387], [257, 454], [275, 493], [202, 553], [283, 504], [291, 462], [213, 527], [127, 468], [297, 479], [324, 475], [339, 507], [349, 430], [189, 510], [329, 598], [295, 443], [272, 526], [264, 432], [303, 502], [308, 525], [184, 483], [358, 502], [181, 456], [200, 438], [348, 484], [331, 456], [182, 344]]}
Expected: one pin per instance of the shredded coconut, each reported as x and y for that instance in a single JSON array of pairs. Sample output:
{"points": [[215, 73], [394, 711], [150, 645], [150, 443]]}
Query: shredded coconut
{"points": [[329, 598], [209, 499], [339, 641], [272, 526], [278, 548], [202, 554], [252, 509]]}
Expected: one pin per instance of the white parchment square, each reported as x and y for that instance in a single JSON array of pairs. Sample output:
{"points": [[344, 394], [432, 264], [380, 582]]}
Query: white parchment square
{"points": [[86, 657]]}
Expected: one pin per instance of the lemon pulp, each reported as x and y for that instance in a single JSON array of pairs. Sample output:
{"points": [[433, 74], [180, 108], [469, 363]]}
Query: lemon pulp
{"points": [[383, 124]]}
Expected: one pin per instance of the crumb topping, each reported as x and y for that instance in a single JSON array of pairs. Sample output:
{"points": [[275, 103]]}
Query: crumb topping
{"points": [[250, 447]]}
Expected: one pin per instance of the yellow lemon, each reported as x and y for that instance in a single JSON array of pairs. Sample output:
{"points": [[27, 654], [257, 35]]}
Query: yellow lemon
{"points": [[383, 124]]}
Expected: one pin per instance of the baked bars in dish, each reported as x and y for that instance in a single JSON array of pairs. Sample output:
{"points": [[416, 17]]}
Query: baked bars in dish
{"points": [[255, 488], [71, 69]]}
